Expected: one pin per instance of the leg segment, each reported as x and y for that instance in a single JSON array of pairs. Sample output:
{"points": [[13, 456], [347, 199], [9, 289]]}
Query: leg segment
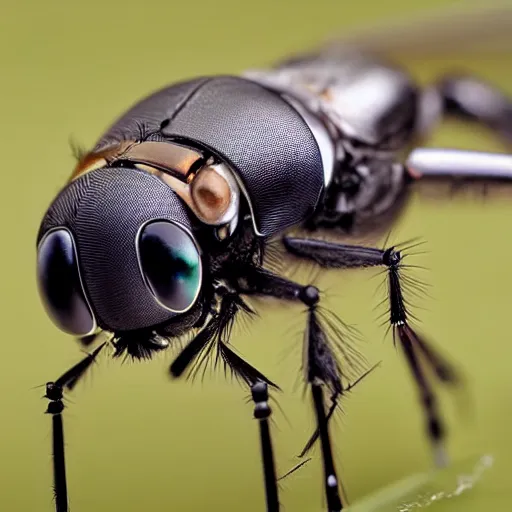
{"points": [[59, 461], [55, 394], [467, 98], [419, 354], [215, 335], [262, 413], [330, 479], [443, 163], [320, 362], [321, 365]]}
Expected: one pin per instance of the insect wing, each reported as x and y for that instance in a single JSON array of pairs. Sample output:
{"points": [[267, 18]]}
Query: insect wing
{"points": [[463, 29]]}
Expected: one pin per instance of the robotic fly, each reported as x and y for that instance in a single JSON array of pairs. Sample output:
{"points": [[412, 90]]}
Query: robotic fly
{"points": [[167, 223]]}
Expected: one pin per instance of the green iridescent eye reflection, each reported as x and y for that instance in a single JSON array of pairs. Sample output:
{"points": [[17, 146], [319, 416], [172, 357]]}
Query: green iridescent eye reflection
{"points": [[171, 264]]}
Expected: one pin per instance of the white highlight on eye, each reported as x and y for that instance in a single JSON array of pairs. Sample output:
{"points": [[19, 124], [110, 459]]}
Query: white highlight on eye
{"points": [[192, 238]]}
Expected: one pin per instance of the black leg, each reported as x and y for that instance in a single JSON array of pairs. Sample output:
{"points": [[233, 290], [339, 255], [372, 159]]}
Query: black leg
{"points": [[215, 337], [262, 413], [467, 98], [322, 338], [55, 394], [59, 461], [332, 409], [330, 479], [419, 354], [435, 428]]}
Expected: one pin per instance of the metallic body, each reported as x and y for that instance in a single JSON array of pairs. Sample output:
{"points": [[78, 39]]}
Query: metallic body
{"points": [[231, 162]]}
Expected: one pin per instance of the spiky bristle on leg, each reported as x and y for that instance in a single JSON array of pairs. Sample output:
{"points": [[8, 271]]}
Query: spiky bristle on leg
{"points": [[420, 356]]}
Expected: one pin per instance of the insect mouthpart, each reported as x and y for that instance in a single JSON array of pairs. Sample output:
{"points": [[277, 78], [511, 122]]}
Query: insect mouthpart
{"points": [[139, 345]]}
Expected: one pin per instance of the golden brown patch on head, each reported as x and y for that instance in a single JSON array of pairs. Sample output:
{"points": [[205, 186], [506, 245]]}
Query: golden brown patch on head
{"points": [[206, 192], [211, 194], [97, 160], [163, 155], [89, 163]]}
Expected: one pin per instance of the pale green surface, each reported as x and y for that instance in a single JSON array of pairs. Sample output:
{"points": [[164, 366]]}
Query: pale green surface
{"points": [[138, 442]]}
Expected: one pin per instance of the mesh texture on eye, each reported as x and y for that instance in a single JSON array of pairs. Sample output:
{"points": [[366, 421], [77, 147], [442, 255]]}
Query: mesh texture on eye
{"points": [[114, 204]]}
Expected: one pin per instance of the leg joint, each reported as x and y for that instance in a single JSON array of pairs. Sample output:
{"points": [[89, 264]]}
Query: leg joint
{"points": [[309, 295]]}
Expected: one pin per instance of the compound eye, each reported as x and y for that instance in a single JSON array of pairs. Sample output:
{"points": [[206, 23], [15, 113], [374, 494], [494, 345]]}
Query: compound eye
{"points": [[60, 285], [171, 265]]}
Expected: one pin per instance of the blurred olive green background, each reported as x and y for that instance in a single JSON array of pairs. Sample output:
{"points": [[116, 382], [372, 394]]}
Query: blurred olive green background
{"points": [[136, 441]]}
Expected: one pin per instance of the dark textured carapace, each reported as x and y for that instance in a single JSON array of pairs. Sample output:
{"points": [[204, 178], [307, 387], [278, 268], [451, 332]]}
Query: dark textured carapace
{"points": [[163, 227]]}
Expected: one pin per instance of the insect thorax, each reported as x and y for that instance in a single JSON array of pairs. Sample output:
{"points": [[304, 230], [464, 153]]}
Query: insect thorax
{"points": [[369, 112]]}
